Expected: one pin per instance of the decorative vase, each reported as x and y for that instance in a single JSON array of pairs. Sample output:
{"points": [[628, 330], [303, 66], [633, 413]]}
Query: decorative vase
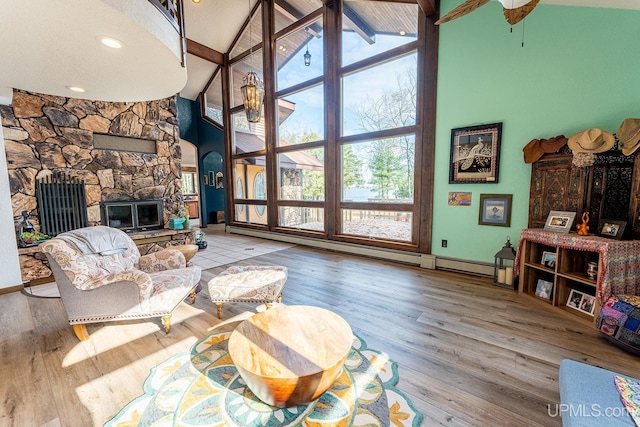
{"points": [[176, 223], [592, 270]]}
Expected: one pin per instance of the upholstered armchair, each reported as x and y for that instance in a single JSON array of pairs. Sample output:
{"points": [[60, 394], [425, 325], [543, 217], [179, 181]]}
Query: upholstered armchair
{"points": [[102, 277]]}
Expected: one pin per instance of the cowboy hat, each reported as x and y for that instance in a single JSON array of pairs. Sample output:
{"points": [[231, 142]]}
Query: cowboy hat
{"points": [[552, 145], [532, 151], [629, 136], [591, 141]]}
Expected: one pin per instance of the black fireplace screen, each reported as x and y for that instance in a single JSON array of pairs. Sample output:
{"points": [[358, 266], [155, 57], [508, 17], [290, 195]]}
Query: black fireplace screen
{"points": [[62, 203]]}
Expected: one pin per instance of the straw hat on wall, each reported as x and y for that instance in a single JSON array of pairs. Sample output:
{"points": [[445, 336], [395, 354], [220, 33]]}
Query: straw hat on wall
{"points": [[591, 141], [629, 136]]}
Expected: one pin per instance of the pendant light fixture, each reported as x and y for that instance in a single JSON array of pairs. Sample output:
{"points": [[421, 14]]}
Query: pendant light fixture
{"points": [[252, 88], [307, 57]]}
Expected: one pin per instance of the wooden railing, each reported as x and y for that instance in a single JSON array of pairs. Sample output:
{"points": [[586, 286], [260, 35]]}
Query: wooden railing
{"points": [[173, 11]]}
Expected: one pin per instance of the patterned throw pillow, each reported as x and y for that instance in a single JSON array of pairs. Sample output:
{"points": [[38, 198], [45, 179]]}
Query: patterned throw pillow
{"points": [[630, 395], [619, 321]]}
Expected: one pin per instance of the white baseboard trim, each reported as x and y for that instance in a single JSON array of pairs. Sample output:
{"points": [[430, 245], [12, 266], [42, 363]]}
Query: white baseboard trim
{"points": [[466, 266], [423, 260], [388, 254]]}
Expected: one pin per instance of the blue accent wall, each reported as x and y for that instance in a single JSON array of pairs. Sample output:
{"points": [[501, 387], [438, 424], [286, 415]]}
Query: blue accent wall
{"points": [[207, 139]]}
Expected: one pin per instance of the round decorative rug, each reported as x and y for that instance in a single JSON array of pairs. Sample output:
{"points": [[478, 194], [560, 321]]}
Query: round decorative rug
{"points": [[203, 388]]}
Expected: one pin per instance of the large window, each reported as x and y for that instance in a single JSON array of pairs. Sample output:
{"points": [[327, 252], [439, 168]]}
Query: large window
{"points": [[339, 144], [213, 98]]}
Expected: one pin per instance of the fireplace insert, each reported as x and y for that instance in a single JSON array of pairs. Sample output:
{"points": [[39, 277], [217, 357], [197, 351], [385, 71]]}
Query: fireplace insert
{"points": [[134, 215]]}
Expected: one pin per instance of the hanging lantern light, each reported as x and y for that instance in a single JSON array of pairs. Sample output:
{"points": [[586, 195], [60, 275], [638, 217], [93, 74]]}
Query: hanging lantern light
{"points": [[252, 88], [252, 94], [307, 57]]}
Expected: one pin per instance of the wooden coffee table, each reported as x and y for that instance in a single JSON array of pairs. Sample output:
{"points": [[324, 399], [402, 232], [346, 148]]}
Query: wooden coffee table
{"points": [[290, 355]]}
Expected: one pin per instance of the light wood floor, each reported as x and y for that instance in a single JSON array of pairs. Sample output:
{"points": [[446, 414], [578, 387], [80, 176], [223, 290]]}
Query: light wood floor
{"points": [[469, 354]]}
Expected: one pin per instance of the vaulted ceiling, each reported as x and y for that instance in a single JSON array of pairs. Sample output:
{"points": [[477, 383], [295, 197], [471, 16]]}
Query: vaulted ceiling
{"points": [[47, 47]]}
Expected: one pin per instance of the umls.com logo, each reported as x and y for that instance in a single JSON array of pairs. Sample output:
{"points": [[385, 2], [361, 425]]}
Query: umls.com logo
{"points": [[585, 411]]}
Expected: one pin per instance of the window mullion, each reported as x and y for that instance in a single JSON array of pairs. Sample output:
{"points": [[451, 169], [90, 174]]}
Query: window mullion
{"points": [[332, 40], [269, 78]]}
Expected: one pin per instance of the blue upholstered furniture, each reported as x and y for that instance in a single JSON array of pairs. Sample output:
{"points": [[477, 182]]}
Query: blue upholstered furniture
{"points": [[589, 398]]}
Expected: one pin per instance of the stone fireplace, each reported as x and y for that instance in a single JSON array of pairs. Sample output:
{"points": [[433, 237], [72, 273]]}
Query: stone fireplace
{"points": [[45, 134]]}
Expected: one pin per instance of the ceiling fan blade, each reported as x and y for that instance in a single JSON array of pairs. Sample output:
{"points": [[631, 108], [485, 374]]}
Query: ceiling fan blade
{"points": [[513, 16], [466, 7]]}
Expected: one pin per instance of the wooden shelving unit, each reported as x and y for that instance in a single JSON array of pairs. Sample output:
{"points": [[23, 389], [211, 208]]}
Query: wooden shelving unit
{"points": [[570, 272]]}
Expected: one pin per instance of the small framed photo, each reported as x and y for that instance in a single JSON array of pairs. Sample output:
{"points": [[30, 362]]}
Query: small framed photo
{"points": [[549, 259], [560, 221], [495, 209], [544, 289], [475, 154], [587, 305], [581, 302], [611, 229]]}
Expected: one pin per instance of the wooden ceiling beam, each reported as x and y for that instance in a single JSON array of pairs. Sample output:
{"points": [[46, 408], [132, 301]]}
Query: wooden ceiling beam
{"points": [[361, 28], [204, 52], [289, 12]]}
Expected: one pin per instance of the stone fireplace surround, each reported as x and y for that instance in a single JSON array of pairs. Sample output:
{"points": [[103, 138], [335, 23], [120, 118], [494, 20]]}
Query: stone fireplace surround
{"points": [[46, 133]]}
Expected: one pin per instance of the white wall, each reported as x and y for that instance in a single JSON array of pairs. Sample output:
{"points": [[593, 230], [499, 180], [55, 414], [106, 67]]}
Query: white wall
{"points": [[9, 248]]}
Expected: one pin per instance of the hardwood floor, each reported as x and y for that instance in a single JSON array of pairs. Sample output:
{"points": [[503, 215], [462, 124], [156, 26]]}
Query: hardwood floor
{"points": [[469, 353]]}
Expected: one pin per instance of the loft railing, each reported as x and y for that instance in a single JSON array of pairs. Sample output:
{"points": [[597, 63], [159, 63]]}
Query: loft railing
{"points": [[173, 11]]}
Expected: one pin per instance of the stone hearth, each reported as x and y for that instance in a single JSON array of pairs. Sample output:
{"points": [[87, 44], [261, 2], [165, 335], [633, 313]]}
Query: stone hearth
{"points": [[45, 134]]}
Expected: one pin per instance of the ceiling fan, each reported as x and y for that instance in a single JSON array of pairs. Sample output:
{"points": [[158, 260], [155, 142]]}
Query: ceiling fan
{"points": [[514, 10]]}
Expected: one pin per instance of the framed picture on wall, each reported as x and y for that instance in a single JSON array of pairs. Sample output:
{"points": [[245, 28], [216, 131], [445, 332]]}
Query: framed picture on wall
{"points": [[475, 154], [495, 209]]}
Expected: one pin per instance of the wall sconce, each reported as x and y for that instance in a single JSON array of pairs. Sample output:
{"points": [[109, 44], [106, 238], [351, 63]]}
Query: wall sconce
{"points": [[503, 266]]}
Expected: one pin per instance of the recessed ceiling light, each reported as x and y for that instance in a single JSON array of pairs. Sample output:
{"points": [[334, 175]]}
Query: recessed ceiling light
{"points": [[75, 89], [110, 42], [196, 1], [402, 32]]}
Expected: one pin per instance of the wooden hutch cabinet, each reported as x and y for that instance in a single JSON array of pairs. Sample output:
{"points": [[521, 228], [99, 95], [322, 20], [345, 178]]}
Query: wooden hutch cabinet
{"points": [[610, 189]]}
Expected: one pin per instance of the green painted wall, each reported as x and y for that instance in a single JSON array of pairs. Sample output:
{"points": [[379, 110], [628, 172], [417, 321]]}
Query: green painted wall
{"points": [[579, 68]]}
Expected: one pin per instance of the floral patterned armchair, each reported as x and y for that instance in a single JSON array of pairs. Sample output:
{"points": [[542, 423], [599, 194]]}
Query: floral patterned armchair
{"points": [[102, 277]]}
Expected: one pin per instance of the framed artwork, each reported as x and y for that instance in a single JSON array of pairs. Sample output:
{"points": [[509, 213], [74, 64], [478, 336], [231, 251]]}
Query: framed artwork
{"points": [[457, 198], [219, 180], [544, 288], [495, 209], [611, 229], [549, 259], [475, 154], [560, 221]]}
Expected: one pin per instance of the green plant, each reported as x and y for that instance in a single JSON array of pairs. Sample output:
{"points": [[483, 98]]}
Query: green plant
{"points": [[33, 236]]}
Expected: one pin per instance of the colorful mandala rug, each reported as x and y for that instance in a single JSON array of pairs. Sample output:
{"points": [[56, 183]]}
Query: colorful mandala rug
{"points": [[203, 388]]}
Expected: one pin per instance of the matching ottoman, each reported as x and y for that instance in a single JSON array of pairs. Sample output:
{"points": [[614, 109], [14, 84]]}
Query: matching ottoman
{"points": [[254, 284], [619, 322]]}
